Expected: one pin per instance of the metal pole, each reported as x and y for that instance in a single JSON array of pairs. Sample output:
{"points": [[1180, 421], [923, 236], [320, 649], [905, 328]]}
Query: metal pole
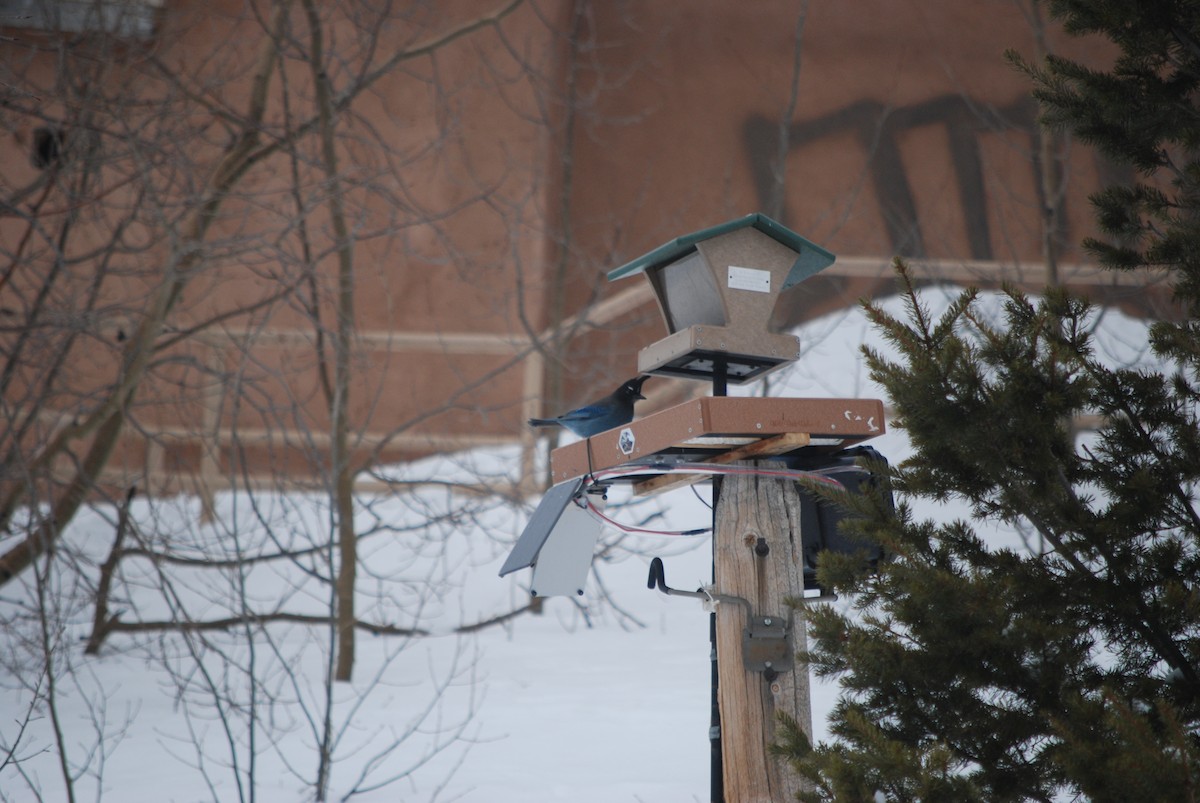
{"points": [[716, 766]]}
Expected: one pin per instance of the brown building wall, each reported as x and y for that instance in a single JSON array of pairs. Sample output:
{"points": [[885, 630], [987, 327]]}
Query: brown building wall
{"points": [[906, 132], [910, 134], [533, 154]]}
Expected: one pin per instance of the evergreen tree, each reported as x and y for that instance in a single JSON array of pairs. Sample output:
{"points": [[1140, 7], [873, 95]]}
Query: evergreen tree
{"points": [[1069, 669]]}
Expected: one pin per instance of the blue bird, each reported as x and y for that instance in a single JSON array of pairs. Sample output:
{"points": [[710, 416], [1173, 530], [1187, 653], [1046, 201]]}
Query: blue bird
{"points": [[613, 410]]}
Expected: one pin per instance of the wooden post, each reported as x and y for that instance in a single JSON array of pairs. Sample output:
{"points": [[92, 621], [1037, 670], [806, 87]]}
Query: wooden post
{"points": [[758, 556]]}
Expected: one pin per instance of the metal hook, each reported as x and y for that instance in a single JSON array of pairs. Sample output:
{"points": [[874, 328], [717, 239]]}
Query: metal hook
{"points": [[658, 579]]}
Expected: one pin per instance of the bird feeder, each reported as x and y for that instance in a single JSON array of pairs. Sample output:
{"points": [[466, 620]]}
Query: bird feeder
{"points": [[717, 289]]}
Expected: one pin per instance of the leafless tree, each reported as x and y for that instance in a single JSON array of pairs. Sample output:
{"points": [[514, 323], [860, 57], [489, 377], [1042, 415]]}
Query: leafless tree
{"points": [[155, 184]]}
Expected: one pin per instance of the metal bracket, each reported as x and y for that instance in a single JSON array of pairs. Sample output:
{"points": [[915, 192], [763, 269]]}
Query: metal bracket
{"points": [[767, 645]]}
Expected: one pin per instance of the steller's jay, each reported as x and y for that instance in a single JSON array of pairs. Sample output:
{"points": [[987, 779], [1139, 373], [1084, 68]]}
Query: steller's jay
{"points": [[613, 410]]}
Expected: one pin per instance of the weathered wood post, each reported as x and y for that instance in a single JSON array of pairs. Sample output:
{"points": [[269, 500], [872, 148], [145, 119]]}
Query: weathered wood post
{"points": [[758, 556]]}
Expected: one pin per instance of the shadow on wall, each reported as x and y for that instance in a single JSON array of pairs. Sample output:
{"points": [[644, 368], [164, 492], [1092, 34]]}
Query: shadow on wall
{"points": [[880, 130]]}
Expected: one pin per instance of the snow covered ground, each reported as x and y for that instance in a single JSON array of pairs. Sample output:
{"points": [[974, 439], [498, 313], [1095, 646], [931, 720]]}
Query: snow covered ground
{"points": [[598, 700]]}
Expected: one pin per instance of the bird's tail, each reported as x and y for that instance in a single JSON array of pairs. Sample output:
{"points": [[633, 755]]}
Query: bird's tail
{"points": [[542, 422]]}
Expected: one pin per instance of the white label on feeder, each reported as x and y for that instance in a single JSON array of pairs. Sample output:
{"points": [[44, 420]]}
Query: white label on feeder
{"points": [[749, 279]]}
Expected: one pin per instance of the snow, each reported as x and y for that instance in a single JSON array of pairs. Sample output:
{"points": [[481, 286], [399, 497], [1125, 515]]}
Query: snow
{"points": [[600, 699]]}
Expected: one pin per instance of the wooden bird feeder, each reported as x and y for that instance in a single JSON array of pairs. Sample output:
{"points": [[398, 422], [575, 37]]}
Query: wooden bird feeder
{"points": [[717, 289], [716, 430]]}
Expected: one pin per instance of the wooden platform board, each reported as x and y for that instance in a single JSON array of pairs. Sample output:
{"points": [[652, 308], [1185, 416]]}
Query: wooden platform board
{"points": [[718, 429]]}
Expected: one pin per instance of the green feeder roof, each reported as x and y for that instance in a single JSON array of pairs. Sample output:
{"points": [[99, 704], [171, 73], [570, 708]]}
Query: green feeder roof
{"points": [[812, 260]]}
